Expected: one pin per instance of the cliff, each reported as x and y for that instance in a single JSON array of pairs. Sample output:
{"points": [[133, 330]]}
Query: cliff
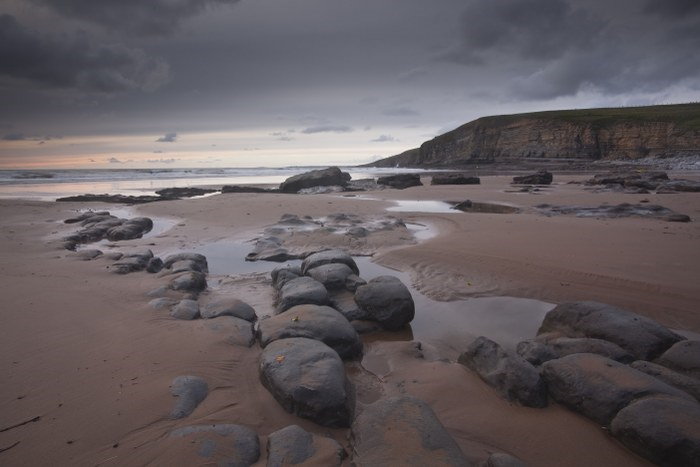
{"points": [[592, 134]]}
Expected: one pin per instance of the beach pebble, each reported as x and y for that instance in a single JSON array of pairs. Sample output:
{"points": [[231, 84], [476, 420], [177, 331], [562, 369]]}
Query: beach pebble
{"points": [[293, 445], [511, 375], [402, 431], [228, 307], [328, 257], [307, 378], [223, 444], [190, 391], [333, 276], [387, 300], [670, 377], [301, 291], [186, 310], [683, 357]]}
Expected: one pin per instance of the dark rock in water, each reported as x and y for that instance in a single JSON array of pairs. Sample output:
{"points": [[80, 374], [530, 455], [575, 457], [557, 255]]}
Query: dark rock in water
{"points": [[307, 378], [117, 199], [535, 352], [175, 193], [328, 257], [599, 387], [387, 300], [564, 346], [677, 218], [664, 430], [229, 445], [87, 255], [400, 181], [540, 178], [454, 179], [201, 260], [186, 309], [501, 459], [301, 291], [192, 282], [284, 274], [314, 178], [276, 255], [333, 275], [321, 323], [511, 375], [402, 431], [681, 185], [237, 331], [154, 265], [293, 445], [644, 338], [246, 189], [190, 391], [229, 307], [670, 377], [683, 357]]}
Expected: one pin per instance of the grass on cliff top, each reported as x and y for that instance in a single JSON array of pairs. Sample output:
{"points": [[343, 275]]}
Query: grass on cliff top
{"points": [[684, 115]]}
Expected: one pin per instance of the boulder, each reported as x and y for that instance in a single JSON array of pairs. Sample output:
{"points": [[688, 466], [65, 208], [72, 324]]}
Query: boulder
{"points": [[387, 300], [301, 291], [307, 378], [185, 192], [664, 430], [344, 302], [293, 445], [189, 282], [598, 387], [186, 310], [670, 377], [185, 265], [162, 302], [229, 445], [131, 229], [283, 274], [333, 276], [680, 185], [535, 352], [454, 179], [314, 178], [87, 255], [236, 331], [229, 307], [246, 189], [85, 215], [328, 257], [511, 375], [154, 265], [190, 391], [196, 257], [353, 281], [542, 177], [564, 346], [400, 181], [128, 264], [677, 218], [643, 337], [321, 323], [684, 357], [403, 431]]}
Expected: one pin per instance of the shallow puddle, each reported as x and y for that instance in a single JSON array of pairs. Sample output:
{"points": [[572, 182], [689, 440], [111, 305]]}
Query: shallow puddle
{"points": [[422, 206]]}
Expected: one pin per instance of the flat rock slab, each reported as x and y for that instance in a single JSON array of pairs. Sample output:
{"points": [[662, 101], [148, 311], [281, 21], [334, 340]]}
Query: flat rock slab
{"points": [[301, 291], [234, 331], [190, 391], [307, 378], [387, 300], [599, 387], [229, 307], [293, 445], [684, 357], [321, 323], [229, 445], [511, 375], [665, 430], [185, 310], [644, 338], [402, 431], [328, 257]]}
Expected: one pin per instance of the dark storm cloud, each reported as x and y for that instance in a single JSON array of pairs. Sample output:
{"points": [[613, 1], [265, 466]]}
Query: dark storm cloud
{"points": [[148, 17], [167, 138], [74, 61], [326, 129], [672, 8]]}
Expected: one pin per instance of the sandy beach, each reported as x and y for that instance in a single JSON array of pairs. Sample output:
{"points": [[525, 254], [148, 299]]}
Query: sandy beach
{"points": [[88, 363]]}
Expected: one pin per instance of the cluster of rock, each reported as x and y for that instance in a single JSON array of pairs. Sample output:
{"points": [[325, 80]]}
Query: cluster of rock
{"points": [[622, 370], [166, 194], [542, 177], [100, 225], [615, 211], [400, 181], [643, 182]]}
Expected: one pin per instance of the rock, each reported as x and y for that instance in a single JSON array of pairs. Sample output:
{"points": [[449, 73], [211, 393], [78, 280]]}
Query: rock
{"points": [[301, 291], [488, 208], [186, 309], [677, 218], [229, 307], [353, 281], [229, 445], [112, 199], [564, 346], [163, 302], [511, 375], [454, 179], [190, 391], [246, 189], [284, 274], [402, 431], [307, 378], [321, 323], [175, 193], [130, 264], [191, 282], [184, 266], [365, 326], [237, 331], [333, 276], [607, 211], [540, 178], [385, 299], [357, 232], [535, 352], [154, 265], [681, 185], [642, 337], [646, 180], [131, 229], [85, 215], [201, 260], [328, 257], [293, 445], [664, 430], [277, 255], [400, 181], [321, 190], [501, 459], [670, 377], [683, 357], [87, 255], [344, 302], [599, 387], [314, 178]]}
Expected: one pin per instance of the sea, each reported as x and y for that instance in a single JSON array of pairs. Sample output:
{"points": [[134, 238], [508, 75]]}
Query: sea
{"points": [[48, 185]]}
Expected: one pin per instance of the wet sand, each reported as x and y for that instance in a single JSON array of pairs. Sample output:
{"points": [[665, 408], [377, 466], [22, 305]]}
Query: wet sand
{"points": [[82, 350]]}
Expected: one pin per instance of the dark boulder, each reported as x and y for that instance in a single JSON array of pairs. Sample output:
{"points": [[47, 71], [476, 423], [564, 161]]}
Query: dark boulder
{"points": [[190, 282], [511, 375], [235, 331], [301, 291], [689, 186], [564, 346], [186, 310], [542, 177], [112, 199], [131, 229], [400, 181], [333, 276], [670, 377], [293, 445], [85, 215], [284, 274], [201, 260], [454, 179], [535, 352], [154, 265], [175, 193], [328, 257], [190, 391], [387, 300], [314, 178], [87, 255], [247, 189], [223, 444], [684, 357], [229, 306], [501, 459]]}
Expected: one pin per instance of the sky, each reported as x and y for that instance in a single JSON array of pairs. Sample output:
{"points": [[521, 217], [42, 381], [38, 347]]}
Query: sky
{"points": [[251, 83]]}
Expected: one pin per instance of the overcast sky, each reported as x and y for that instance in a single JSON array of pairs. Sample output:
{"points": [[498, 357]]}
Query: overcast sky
{"points": [[225, 83]]}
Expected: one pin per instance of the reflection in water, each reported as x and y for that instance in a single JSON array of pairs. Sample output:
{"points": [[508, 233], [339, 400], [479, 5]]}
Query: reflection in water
{"points": [[422, 206]]}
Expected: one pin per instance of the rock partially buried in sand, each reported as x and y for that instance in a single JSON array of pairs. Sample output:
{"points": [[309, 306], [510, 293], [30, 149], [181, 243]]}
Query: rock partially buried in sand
{"points": [[403, 431], [315, 178], [87, 255], [229, 307], [644, 338], [454, 179], [664, 430], [301, 291], [190, 282], [190, 391], [387, 300], [131, 229], [307, 378], [186, 310], [542, 177], [229, 445], [328, 257], [293, 445], [683, 357], [677, 218], [321, 323], [599, 387], [201, 260], [132, 262], [236, 331], [400, 181], [511, 375]]}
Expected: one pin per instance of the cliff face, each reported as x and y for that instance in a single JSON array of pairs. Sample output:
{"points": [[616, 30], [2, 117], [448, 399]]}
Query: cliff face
{"points": [[559, 135]]}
